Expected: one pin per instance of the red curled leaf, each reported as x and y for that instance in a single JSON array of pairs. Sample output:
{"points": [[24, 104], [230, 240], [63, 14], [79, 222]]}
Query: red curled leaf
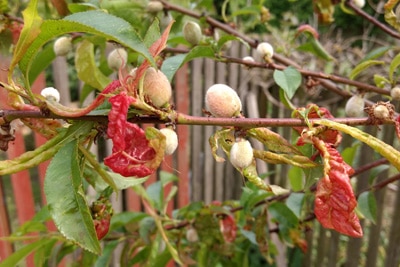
{"points": [[133, 153], [228, 228], [334, 200]]}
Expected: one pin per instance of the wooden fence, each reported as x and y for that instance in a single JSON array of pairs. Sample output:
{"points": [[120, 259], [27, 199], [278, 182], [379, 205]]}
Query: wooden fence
{"points": [[201, 178]]}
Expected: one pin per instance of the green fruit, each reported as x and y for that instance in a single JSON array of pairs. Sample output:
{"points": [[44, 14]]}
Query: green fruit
{"points": [[222, 101], [156, 87], [192, 32], [355, 106], [62, 46], [171, 140], [117, 59], [241, 154]]}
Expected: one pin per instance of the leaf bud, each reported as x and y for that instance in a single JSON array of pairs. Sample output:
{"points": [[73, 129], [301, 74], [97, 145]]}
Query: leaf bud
{"points": [[157, 87], [51, 94], [62, 46], [154, 7], [192, 32], [117, 58], [395, 93], [171, 140], [355, 106], [265, 50], [222, 101], [241, 154]]}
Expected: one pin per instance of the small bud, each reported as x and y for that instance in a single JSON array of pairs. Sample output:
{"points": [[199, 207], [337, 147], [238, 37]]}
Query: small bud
{"points": [[241, 154], [192, 32], [51, 94], [359, 3], [157, 87], [265, 50], [248, 59], [165, 20], [117, 58], [355, 106], [395, 93], [154, 7], [222, 101], [381, 112], [62, 46], [171, 140], [191, 235]]}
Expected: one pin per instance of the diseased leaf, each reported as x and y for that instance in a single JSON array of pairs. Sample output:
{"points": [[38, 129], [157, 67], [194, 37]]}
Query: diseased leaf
{"points": [[289, 80], [86, 67], [363, 66], [273, 141], [274, 158], [66, 199], [367, 205], [224, 138]]}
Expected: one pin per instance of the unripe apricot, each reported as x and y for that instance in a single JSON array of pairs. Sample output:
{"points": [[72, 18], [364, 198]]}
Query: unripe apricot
{"points": [[222, 101], [355, 106], [62, 46], [265, 50], [51, 94], [241, 154], [157, 87], [395, 93], [191, 235], [381, 112], [171, 140], [359, 3], [192, 32], [117, 58], [154, 7]]}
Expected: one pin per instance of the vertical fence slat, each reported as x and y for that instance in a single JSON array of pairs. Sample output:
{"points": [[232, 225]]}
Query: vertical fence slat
{"points": [[197, 131], [393, 247], [5, 247], [182, 97]]}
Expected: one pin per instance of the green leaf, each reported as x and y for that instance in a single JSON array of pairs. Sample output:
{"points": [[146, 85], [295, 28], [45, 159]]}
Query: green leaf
{"points": [[125, 218], [296, 180], [367, 205], [200, 51], [289, 80], [380, 81], [29, 33], [86, 67], [172, 64], [363, 66], [393, 67], [285, 217], [23, 252], [152, 33], [295, 203], [107, 254], [349, 153], [93, 22], [376, 53], [315, 47], [44, 58], [156, 195], [66, 199]]}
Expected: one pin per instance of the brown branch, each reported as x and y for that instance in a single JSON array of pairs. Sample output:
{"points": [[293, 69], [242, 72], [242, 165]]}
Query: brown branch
{"points": [[373, 20], [381, 185]]}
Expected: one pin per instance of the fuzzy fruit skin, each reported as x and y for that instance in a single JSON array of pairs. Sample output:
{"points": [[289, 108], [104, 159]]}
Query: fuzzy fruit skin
{"points": [[395, 93], [191, 235], [241, 154], [222, 101], [157, 87], [381, 112], [248, 59], [265, 50], [154, 7], [171, 140], [359, 3], [117, 58], [355, 106], [51, 94], [62, 46], [192, 32]]}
